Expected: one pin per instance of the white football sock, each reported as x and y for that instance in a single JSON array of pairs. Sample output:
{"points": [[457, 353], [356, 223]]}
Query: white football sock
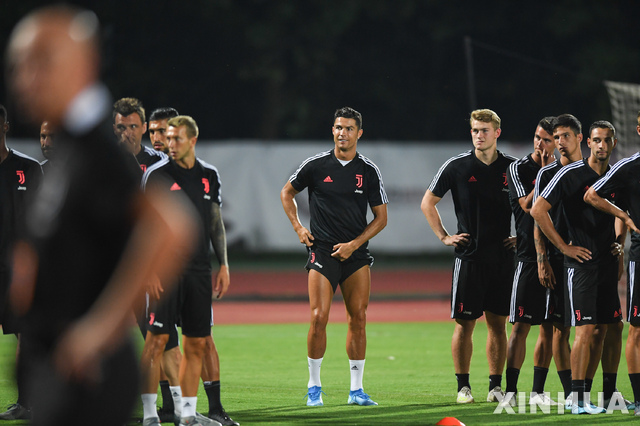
{"points": [[314, 372], [176, 394], [189, 406], [149, 408], [357, 370]]}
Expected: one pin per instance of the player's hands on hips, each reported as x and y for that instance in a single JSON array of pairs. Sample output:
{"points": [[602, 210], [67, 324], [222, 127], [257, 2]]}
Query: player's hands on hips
{"points": [[510, 243], [576, 252], [546, 275], [222, 281], [343, 251], [305, 236], [457, 240]]}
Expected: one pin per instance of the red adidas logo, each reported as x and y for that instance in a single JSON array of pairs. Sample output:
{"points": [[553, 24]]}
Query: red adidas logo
{"points": [[328, 179], [473, 179], [175, 187]]}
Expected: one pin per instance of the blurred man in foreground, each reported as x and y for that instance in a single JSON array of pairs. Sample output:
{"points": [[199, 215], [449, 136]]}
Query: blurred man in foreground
{"points": [[91, 245]]}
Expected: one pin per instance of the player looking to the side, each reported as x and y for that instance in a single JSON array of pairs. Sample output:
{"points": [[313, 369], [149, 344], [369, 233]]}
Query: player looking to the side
{"points": [[158, 127], [47, 134], [90, 244], [341, 184], [529, 299], [200, 182], [172, 357], [567, 135], [483, 268], [623, 177], [591, 260]]}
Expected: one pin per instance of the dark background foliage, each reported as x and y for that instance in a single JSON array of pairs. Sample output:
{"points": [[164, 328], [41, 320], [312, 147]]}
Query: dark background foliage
{"points": [[277, 69]]}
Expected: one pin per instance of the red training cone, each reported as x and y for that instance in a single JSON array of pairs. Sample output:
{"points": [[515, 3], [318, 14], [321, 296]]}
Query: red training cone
{"points": [[450, 421]]}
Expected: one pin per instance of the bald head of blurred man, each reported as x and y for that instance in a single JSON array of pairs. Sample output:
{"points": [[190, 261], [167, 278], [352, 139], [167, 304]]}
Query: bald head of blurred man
{"points": [[52, 56]]}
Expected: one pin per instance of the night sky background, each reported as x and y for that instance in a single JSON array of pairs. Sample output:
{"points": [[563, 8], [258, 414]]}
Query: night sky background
{"points": [[277, 69]]}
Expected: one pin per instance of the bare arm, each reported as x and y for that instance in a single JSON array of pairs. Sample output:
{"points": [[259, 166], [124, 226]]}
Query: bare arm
{"points": [[218, 237], [540, 212], [343, 251], [545, 272], [617, 248], [592, 197], [287, 196], [526, 202], [162, 233], [430, 211]]}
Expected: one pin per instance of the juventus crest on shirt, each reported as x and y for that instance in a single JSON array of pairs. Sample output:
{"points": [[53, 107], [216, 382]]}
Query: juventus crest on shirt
{"points": [[339, 195]]}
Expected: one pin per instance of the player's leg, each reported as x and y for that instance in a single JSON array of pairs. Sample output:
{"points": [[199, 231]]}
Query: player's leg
{"points": [[542, 354], [610, 317], [496, 349], [520, 311], [211, 380], [467, 304], [561, 331], [190, 371], [150, 361], [320, 298], [632, 349], [498, 279], [611, 352], [461, 351], [160, 323], [516, 352], [21, 410], [356, 290], [562, 355], [580, 359], [170, 383], [595, 355], [195, 315]]}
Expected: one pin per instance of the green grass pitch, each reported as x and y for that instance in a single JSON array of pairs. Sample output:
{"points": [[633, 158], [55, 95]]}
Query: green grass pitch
{"points": [[409, 372]]}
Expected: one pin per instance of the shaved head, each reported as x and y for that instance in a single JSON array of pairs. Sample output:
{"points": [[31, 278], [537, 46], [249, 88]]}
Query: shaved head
{"points": [[52, 56]]}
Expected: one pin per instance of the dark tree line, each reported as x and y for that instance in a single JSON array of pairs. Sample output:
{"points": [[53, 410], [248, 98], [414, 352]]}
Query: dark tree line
{"points": [[277, 69]]}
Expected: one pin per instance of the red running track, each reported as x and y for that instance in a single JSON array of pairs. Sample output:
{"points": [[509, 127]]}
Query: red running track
{"points": [[281, 297]]}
